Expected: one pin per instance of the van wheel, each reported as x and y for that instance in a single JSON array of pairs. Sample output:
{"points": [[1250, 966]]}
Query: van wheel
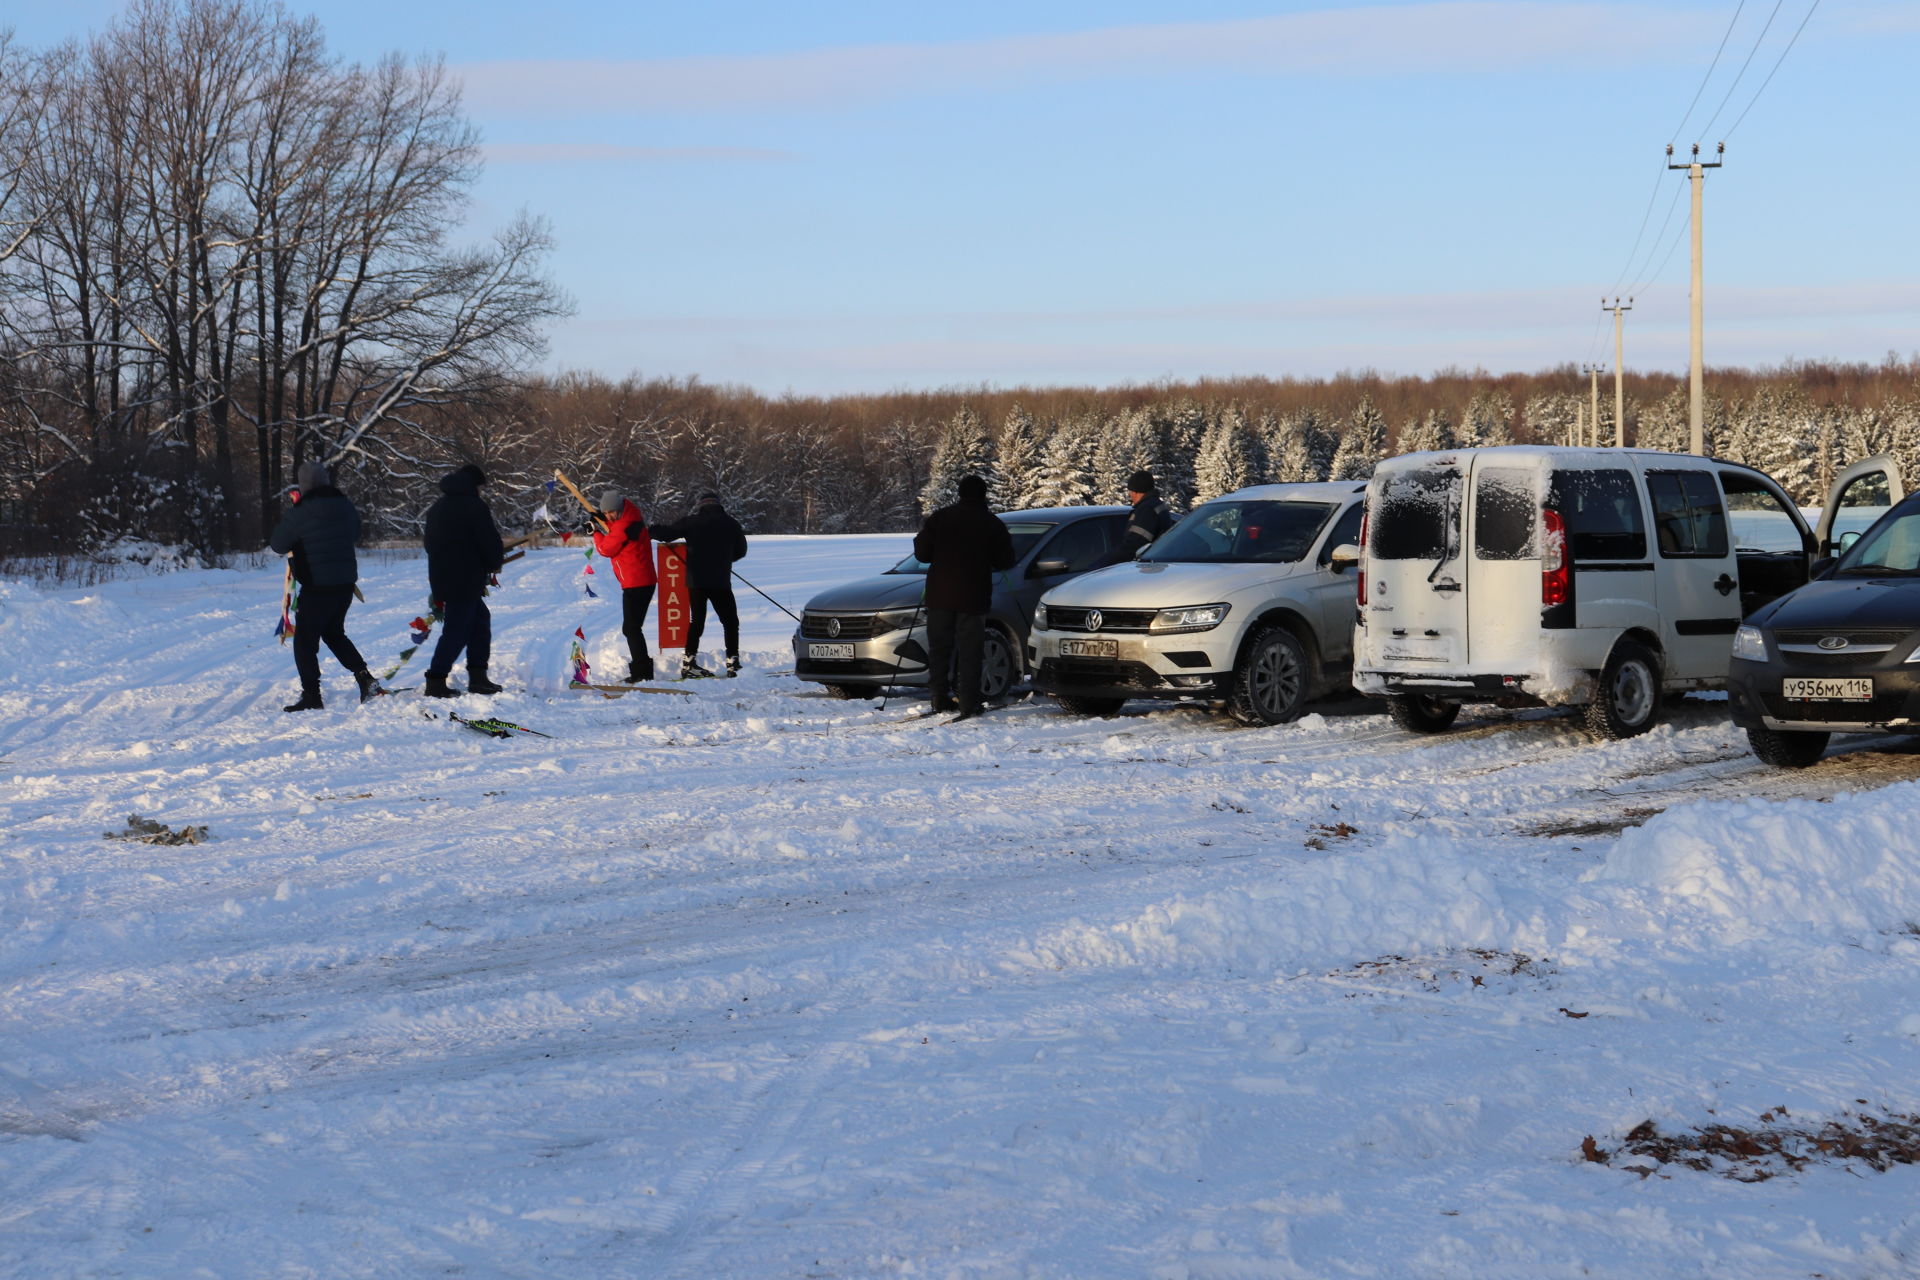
{"points": [[1080, 706], [1270, 684], [1422, 715], [1788, 749], [1627, 699]]}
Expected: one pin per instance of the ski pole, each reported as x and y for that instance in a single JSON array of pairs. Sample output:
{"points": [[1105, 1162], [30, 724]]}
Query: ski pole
{"points": [[769, 599], [900, 655]]}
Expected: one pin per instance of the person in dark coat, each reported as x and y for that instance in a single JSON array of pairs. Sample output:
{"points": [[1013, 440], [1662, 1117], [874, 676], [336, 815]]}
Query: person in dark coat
{"points": [[464, 551], [962, 545], [1150, 517], [319, 533], [714, 541], [622, 537]]}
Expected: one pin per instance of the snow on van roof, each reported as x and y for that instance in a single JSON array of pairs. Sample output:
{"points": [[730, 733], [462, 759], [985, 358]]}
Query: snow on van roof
{"points": [[1543, 453]]}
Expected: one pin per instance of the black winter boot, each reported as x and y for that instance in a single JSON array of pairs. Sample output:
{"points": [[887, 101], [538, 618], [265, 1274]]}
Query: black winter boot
{"points": [[640, 670], [309, 701], [477, 682], [436, 687], [733, 664], [369, 687]]}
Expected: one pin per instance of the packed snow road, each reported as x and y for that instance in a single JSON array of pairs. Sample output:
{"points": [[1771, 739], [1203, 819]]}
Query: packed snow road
{"points": [[756, 982]]}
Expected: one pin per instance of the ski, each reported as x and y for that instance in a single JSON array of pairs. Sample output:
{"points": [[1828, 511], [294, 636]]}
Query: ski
{"points": [[495, 728], [616, 690]]}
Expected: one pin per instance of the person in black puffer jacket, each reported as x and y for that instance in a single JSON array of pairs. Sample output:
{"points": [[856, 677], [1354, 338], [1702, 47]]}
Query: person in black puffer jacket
{"points": [[319, 534], [962, 545], [714, 541], [464, 551]]}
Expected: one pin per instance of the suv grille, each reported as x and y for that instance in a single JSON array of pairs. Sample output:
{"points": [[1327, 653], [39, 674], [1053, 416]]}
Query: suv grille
{"points": [[1061, 618], [853, 626]]}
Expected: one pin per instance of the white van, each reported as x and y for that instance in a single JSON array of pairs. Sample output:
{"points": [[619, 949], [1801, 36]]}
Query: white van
{"points": [[1533, 576]]}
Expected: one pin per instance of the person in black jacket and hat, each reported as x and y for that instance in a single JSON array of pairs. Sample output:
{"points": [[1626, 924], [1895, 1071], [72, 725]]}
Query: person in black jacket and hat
{"points": [[319, 533], [714, 541], [464, 551], [962, 545]]}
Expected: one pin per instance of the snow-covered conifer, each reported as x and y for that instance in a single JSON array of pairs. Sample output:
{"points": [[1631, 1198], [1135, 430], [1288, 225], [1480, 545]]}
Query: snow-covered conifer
{"points": [[1433, 432], [1227, 458], [1362, 443], [1065, 477], [1488, 420], [1128, 442], [964, 449], [1016, 462]]}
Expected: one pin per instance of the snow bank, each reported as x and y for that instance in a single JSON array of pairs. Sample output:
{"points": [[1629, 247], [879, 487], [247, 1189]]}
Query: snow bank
{"points": [[1403, 898], [1849, 865]]}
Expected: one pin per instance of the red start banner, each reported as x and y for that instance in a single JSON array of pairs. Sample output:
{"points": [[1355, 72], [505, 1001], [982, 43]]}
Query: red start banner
{"points": [[672, 606]]}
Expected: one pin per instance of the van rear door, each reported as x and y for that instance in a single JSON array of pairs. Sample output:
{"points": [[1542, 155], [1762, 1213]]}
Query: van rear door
{"points": [[1504, 528], [1416, 612]]}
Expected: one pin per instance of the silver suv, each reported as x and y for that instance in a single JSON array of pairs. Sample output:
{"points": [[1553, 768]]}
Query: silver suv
{"points": [[859, 638], [1240, 604]]}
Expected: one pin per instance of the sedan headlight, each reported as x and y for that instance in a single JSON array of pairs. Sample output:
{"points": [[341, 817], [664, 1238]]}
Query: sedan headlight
{"points": [[1915, 655], [894, 620], [1749, 644], [1198, 617], [1040, 617]]}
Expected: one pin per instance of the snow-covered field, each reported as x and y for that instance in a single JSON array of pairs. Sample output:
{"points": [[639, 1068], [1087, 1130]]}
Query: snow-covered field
{"points": [[758, 983]]}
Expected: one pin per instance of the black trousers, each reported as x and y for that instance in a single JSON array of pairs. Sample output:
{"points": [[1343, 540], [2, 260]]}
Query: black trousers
{"points": [[633, 620], [954, 642], [322, 615], [464, 624], [721, 599]]}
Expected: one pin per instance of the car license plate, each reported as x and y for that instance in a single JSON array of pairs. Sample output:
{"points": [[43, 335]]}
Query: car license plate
{"points": [[1828, 690], [1089, 648], [829, 651]]}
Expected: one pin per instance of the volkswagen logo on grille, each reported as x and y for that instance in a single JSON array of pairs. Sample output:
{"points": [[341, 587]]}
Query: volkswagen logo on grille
{"points": [[1093, 619], [1833, 642], [833, 626]]}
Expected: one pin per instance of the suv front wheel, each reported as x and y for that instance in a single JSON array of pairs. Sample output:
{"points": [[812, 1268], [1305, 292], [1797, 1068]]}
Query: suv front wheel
{"points": [[1270, 684]]}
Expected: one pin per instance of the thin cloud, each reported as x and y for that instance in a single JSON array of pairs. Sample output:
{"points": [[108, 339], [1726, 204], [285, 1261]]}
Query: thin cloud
{"points": [[610, 153], [1454, 37]]}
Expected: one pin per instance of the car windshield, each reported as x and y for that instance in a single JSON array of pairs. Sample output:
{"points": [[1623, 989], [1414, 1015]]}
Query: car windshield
{"points": [[1890, 547], [1025, 533], [1242, 531]]}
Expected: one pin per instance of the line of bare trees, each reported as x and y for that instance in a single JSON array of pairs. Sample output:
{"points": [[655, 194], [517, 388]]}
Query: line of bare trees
{"points": [[224, 250]]}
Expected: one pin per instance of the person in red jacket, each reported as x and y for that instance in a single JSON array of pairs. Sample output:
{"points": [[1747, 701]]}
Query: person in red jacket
{"points": [[623, 538]]}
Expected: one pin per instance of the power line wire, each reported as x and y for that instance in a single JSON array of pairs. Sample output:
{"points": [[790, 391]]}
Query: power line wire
{"points": [[1757, 40], [1675, 137], [1646, 281], [1661, 234], [1653, 198], [1776, 67]]}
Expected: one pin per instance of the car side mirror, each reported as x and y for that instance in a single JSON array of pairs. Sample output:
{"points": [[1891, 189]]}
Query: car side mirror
{"points": [[1847, 539], [1344, 557], [1047, 568], [1822, 568]]}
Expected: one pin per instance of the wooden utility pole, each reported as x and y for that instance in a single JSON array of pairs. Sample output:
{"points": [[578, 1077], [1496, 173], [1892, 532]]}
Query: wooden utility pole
{"points": [[1619, 364], [1696, 372], [1593, 420]]}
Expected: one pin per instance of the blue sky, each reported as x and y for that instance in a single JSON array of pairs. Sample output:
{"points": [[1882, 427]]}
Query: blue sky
{"points": [[830, 197]]}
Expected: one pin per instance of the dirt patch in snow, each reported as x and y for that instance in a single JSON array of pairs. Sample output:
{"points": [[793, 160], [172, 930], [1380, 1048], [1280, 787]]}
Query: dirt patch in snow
{"points": [[1767, 1149]]}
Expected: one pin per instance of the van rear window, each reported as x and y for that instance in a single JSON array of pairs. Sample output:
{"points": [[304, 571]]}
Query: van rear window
{"points": [[1505, 503], [1415, 515], [1602, 514]]}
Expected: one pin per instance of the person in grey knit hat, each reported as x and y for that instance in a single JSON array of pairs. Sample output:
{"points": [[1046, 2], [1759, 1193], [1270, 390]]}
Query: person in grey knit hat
{"points": [[319, 534]]}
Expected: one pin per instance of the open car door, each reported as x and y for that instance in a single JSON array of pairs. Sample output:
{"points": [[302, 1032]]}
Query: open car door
{"points": [[1861, 495]]}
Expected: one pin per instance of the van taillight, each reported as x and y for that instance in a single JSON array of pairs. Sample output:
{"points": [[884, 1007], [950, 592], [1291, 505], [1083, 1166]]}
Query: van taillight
{"points": [[1361, 584], [1555, 573]]}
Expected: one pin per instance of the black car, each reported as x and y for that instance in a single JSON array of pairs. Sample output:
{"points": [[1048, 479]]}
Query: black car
{"points": [[1841, 654]]}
